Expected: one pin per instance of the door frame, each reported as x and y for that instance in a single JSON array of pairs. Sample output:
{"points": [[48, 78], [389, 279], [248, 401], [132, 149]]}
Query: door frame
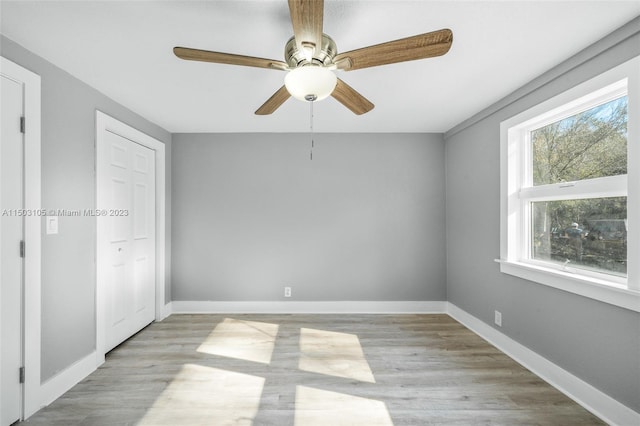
{"points": [[106, 123], [31, 309]]}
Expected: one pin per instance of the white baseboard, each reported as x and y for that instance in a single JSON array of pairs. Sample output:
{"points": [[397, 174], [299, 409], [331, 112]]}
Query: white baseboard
{"points": [[597, 402], [56, 386], [166, 310], [302, 307]]}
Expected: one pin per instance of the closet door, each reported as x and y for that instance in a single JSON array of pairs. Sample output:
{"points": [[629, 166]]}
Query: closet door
{"points": [[127, 204]]}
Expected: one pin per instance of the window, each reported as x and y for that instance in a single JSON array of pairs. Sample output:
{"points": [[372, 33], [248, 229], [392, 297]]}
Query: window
{"points": [[570, 190]]}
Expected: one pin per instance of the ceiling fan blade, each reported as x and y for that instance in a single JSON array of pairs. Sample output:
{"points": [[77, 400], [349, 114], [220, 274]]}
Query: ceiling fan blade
{"points": [[306, 17], [421, 46], [227, 58], [274, 102], [353, 100]]}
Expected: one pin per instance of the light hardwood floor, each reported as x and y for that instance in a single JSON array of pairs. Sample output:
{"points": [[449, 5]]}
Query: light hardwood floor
{"points": [[310, 370]]}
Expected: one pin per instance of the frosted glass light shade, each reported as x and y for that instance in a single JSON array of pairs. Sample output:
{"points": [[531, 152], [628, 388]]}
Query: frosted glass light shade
{"points": [[310, 80]]}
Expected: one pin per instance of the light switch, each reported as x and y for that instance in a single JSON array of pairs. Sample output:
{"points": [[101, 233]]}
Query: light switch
{"points": [[52, 224]]}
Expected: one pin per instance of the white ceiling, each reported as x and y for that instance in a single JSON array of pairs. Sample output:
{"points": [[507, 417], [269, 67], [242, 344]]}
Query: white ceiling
{"points": [[123, 49]]}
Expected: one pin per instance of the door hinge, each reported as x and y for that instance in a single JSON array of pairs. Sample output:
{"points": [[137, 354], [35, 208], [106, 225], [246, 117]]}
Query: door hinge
{"points": [[21, 374], [22, 249], [22, 125]]}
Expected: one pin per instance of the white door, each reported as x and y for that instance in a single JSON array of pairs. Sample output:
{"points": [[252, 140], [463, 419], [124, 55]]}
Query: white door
{"points": [[127, 204], [11, 234]]}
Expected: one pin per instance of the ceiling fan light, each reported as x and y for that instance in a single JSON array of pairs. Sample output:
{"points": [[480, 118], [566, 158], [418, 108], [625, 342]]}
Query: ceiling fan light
{"points": [[310, 82]]}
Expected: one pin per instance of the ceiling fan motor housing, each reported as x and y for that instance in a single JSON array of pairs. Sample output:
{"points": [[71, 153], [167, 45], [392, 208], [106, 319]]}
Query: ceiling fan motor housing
{"points": [[323, 56]]}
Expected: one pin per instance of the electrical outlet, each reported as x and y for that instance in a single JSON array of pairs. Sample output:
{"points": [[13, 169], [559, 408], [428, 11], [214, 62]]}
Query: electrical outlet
{"points": [[287, 292], [498, 318]]}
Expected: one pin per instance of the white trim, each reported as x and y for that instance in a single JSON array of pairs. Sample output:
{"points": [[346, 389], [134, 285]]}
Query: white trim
{"points": [[513, 235], [571, 282], [567, 105], [167, 310], [106, 123], [592, 399], [597, 402], [306, 307], [57, 385], [610, 186], [633, 177], [32, 263]]}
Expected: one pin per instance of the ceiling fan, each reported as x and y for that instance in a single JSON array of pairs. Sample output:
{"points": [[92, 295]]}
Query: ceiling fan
{"points": [[311, 57]]}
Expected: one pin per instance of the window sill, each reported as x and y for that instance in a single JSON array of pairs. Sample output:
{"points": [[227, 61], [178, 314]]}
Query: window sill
{"points": [[593, 288]]}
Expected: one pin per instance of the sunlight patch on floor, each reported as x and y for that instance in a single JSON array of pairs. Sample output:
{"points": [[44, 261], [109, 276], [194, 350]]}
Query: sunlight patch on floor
{"points": [[199, 393], [315, 407], [333, 354], [246, 340]]}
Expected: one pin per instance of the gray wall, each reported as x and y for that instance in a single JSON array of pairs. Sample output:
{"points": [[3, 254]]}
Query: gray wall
{"points": [[68, 182], [597, 342], [363, 221]]}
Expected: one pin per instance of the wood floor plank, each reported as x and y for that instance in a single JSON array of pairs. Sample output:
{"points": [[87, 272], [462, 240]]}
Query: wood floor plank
{"points": [[366, 370]]}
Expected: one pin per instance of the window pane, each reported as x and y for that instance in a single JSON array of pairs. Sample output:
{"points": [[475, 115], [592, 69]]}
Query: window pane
{"points": [[590, 234], [588, 145]]}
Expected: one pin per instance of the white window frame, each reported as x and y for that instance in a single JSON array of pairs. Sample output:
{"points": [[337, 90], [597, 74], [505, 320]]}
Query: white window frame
{"points": [[517, 191]]}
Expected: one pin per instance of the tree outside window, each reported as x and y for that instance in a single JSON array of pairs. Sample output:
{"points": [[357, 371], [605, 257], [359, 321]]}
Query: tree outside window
{"points": [[589, 233]]}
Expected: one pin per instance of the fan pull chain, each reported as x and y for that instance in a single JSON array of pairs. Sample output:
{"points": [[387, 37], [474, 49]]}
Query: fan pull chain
{"points": [[311, 128]]}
